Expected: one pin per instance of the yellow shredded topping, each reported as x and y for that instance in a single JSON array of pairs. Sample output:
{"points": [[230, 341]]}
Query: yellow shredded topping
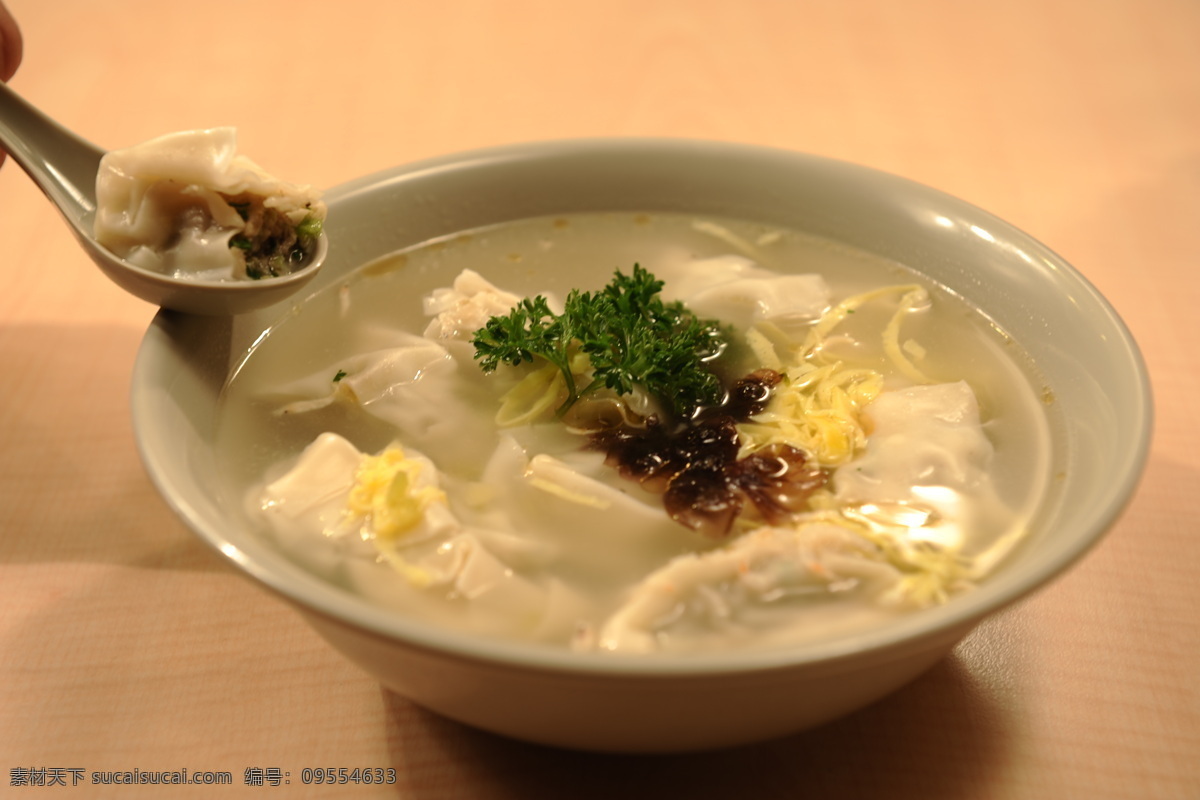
{"points": [[931, 571], [386, 494], [819, 405], [385, 491], [819, 410]]}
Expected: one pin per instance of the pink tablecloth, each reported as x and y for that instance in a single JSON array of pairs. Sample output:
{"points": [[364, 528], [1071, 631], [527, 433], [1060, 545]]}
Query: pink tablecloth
{"points": [[126, 645]]}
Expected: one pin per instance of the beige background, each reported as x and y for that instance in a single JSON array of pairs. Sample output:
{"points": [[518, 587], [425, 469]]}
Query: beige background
{"points": [[125, 644]]}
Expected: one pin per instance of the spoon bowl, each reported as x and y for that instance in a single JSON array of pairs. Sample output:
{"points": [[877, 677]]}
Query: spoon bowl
{"points": [[64, 167]]}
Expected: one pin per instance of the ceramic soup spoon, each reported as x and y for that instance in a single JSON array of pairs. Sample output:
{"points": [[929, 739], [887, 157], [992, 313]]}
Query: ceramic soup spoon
{"points": [[64, 167]]}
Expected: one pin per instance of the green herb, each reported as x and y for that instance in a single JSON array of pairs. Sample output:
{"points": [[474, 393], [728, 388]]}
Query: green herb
{"points": [[631, 337], [341, 373], [309, 227], [241, 242]]}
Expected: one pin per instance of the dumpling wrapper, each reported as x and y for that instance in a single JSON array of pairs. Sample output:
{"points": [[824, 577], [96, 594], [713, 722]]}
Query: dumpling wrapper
{"points": [[416, 386], [600, 530], [306, 510], [428, 387], [464, 307], [927, 452], [162, 204], [711, 599], [738, 292]]}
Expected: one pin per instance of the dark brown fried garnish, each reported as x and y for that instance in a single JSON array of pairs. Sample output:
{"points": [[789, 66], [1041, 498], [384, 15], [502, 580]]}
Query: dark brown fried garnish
{"points": [[705, 486]]}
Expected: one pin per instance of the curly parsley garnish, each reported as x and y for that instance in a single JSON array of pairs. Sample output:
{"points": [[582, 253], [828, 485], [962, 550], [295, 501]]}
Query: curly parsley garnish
{"points": [[631, 337]]}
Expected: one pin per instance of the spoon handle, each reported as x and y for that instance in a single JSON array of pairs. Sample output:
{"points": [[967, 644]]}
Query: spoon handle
{"points": [[63, 165]]}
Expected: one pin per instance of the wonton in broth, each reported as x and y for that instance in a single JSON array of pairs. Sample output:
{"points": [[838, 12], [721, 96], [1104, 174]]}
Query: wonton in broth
{"points": [[891, 455]]}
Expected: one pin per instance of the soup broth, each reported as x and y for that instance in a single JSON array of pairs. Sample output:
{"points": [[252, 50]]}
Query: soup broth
{"points": [[529, 529]]}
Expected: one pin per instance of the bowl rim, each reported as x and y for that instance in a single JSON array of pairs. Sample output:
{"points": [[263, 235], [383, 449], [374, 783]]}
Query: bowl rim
{"points": [[316, 596]]}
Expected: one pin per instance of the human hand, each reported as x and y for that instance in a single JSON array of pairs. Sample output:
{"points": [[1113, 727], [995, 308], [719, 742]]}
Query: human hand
{"points": [[11, 46]]}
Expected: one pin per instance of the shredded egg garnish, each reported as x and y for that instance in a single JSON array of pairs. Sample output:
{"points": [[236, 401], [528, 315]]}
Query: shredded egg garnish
{"points": [[819, 405], [386, 493], [387, 496], [819, 410]]}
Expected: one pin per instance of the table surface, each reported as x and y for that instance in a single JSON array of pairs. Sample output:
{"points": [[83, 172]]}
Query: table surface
{"points": [[126, 644]]}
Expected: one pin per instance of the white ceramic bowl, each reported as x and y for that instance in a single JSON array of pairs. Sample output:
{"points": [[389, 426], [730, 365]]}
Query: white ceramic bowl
{"points": [[602, 702]]}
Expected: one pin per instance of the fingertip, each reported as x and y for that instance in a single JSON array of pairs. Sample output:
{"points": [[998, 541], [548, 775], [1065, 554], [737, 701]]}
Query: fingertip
{"points": [[11, 44]]}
